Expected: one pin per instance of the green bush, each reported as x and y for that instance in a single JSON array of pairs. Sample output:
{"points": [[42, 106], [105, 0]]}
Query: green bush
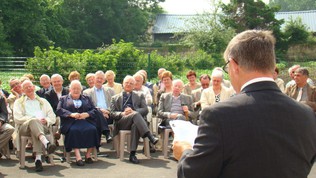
{"points": [[121, 57]]}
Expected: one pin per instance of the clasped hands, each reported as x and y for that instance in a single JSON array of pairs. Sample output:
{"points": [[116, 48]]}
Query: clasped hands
{"points": [[105, 113], [79, 116], [176, 115], [127, 111]]}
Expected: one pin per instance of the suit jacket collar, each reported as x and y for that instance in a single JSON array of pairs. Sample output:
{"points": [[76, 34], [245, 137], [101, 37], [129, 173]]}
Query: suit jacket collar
{"points": [[259, 86]]}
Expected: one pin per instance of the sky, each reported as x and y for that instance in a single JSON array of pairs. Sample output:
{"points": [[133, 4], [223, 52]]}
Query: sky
{"points": [[188, 6], [185, 6]]}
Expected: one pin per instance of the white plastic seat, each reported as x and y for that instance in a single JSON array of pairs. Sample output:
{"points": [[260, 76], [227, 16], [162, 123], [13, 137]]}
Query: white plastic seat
{"points": [[125, 136]]}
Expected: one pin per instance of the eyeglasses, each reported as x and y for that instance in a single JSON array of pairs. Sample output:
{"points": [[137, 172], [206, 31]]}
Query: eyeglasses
{"points": [[225, 67]]}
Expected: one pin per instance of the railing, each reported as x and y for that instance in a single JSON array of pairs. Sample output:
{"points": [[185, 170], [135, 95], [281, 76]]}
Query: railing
{"points": [[12, 64]]}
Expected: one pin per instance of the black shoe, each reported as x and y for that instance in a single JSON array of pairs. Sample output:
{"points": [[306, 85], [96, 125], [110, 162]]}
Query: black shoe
{"points": [[88, 160], [47, 160], [38, 166], [50, 148], [80, 163], [109, 139], [152, 139], [152, 148], [133, 159]]}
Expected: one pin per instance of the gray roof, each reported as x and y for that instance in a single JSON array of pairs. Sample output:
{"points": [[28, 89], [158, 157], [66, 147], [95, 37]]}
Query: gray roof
{"points": [[308, 17], [173, 23]]}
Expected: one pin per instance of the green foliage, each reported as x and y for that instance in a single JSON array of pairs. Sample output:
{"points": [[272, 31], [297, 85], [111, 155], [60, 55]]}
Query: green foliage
{"points": [[125, 58], [242, 15], [5, 46], [207, 33], [78, 24], [96, 22], [290, 5], [55, 60], [296, 32], [24, 24], [200, 60]]}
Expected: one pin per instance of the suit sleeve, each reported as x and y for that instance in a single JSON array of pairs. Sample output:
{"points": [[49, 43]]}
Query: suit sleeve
{"points": [[206, 158], [3, 110], [50, 115], [161, 108], [116, 114], [61, 112], [143, 110]]}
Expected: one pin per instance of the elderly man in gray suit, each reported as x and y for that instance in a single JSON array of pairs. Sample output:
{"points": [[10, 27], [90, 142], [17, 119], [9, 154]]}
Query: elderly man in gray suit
{"points": [[101, 98], [175, 105], [128, 110]]}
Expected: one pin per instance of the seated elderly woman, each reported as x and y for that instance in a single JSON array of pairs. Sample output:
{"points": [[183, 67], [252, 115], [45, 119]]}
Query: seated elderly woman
{"points": [[110, 77], [78, 123], [217, 92]]}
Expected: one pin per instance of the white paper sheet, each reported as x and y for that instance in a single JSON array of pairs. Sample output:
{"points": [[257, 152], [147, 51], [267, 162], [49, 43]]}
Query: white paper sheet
{"points": [[184, 131]]}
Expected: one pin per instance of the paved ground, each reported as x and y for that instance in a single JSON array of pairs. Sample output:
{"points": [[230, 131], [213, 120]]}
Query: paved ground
{"points": [[111, 167], [156, 167]]}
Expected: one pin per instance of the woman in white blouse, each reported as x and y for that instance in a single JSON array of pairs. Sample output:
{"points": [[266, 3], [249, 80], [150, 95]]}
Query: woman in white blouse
{"points": [[217, 92]]}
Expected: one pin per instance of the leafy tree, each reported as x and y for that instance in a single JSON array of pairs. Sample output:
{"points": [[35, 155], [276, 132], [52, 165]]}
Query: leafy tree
{"points": [[23, 24], [207, 33], [5, 46], [290, 5], [96, 22], [296, 32], [254, 14], [250, 14]]}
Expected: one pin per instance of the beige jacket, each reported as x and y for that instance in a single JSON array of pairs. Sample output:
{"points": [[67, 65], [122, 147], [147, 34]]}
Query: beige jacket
{"points": [[20, 115], [208, 96]]}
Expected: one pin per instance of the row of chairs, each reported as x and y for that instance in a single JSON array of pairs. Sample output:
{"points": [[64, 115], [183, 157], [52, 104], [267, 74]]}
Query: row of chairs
{"points": [[119, 142]]}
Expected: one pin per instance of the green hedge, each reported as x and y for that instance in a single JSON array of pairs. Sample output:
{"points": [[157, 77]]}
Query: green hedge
{"points": [[121, 57]]}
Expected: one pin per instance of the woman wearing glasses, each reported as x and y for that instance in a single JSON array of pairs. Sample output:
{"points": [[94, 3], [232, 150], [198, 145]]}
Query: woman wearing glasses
{"points": [[217, 92]]}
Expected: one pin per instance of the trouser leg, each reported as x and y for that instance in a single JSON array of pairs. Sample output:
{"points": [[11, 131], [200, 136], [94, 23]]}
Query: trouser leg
{"points": [[6, 132], [34, 129], [141, 124], [134, 137]]}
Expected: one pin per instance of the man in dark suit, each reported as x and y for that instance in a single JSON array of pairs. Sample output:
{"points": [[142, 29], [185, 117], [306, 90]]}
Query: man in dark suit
{"points": [[53, 97], [258, 133], [46, 86], [58, 90], [128, 109]]}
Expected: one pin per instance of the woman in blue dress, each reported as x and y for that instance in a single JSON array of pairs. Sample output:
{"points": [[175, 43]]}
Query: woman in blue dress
{"points": [[77, 114]]}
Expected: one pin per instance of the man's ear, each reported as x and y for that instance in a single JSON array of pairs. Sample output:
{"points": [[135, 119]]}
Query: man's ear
{"points": [[234, 66]]}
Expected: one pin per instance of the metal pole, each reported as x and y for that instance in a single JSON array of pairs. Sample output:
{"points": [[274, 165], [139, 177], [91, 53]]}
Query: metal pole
{"points": [[148, 68], [55, 66]]}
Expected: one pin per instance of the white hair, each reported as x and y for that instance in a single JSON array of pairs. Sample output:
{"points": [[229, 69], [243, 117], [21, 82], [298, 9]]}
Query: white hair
{"points": [[174, 82], [57, 76], [25, 82], [75, 82], [129, 77], [44, 75], [217, 73]]}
